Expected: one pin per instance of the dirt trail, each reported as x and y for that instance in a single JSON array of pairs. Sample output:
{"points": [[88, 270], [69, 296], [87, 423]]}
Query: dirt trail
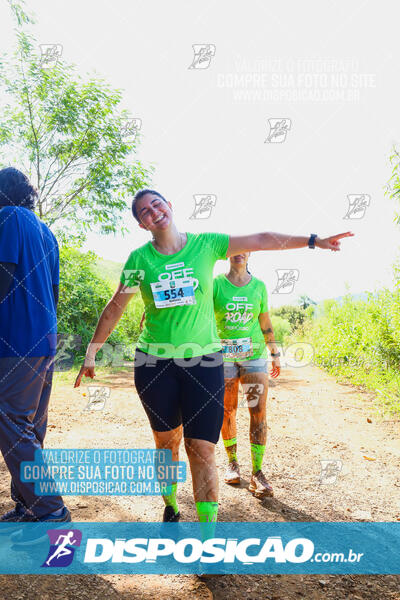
{"points": [[310, 418]]}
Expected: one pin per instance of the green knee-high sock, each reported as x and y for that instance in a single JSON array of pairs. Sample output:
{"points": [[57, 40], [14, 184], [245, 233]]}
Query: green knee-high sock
{"points": [[170, 499], [231, 447], [257, 453], [207, 511]]}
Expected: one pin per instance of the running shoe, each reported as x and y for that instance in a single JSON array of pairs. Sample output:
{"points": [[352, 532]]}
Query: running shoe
{"points": [[170, 516], [19, 513], [259, 486], [34, 535], [13, 519], [232, 473]]}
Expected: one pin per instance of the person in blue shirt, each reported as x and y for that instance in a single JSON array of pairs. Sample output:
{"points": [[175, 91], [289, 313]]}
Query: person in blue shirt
{"points": [[29, 279]]}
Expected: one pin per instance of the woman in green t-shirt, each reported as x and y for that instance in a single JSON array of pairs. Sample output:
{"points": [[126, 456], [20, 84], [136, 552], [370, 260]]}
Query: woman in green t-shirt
{"points": [[244, 326], [178, 361]]}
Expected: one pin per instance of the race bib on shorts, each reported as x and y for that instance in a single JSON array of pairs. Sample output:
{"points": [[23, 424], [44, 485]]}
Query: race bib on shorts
{"points": [[240, 348], [173, 292]]}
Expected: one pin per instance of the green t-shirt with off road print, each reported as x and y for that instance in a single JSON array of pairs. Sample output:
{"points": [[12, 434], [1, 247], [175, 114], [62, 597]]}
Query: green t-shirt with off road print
{"points": [[237, 309], [177, 292]]}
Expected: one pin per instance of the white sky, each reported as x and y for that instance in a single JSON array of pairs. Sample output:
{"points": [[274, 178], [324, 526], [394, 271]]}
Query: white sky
{"points": [[205, 136]]}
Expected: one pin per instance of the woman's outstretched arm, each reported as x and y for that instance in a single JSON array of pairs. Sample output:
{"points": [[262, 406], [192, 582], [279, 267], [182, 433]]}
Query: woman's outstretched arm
{"points": [[280, 241], [106, 324]]}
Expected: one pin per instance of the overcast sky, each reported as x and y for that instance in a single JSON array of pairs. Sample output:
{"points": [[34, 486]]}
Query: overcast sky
{"points": [[327, 71]]}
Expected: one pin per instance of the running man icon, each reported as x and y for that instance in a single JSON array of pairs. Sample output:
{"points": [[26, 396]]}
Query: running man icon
{"points": [[61, 553], [62, 549]]}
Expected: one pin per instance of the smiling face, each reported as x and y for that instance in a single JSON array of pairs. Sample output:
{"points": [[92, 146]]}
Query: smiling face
{"points": [[154, 214], [240, 259]]}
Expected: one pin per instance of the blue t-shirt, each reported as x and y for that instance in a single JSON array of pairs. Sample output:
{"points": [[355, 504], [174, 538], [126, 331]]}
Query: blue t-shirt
{"points": [[28, 319]]}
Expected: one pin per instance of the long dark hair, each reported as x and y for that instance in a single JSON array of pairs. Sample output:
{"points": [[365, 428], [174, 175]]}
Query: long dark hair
{"points": [[139, 195], [16, 189]]}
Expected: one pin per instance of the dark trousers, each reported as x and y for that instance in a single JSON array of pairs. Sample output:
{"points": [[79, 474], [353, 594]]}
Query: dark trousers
{"points": [[25, 386]]}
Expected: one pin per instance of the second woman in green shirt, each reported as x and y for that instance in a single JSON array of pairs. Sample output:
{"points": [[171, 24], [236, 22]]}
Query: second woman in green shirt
{"points": [[244, 326]]}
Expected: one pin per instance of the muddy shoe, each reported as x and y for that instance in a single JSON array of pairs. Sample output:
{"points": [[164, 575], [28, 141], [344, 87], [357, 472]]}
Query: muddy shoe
{"points": [[232, 474], [170, 516], [259, 486]]}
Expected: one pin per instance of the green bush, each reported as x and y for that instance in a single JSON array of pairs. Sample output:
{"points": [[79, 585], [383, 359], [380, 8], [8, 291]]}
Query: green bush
{"points": [[83, 296], [281, 328], [359, 341], [294, 314]]}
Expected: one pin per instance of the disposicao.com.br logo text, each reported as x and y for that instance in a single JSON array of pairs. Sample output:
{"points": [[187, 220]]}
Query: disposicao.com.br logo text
{"points": [[213, 550]]}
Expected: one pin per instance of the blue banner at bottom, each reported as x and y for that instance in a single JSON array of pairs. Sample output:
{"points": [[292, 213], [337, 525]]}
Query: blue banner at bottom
{"points": [[225, 548]]}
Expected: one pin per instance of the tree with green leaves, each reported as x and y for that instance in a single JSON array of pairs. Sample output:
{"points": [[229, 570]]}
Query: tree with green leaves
{"points": [[393, 186], [304, 301], [293, 314], [69, 135]]}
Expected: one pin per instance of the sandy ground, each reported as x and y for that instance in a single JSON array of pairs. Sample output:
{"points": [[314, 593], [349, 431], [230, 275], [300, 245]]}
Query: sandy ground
{"points": [[310, 418]]}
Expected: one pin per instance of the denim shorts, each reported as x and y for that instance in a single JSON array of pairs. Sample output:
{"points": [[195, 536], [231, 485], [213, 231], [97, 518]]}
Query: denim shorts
{"points": [[242, 367]]}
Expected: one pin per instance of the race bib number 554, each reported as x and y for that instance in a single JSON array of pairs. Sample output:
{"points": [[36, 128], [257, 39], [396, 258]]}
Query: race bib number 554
{"points": [[173, 292]]}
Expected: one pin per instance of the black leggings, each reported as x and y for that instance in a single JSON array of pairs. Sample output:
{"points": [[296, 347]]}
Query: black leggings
{"points": [[182, 392]]}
